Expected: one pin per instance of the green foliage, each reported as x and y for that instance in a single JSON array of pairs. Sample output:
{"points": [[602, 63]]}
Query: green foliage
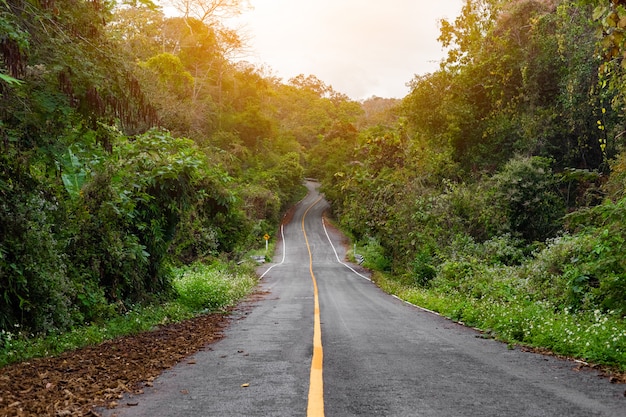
{"points": [[95, 206], [73, 174], [288, 175], [526, 192], [95, 203], [611, 24], [567, 297], [170, 72], [164, 177], [503, 250], [423, 268], [262, 202], [210, 288], [9, 80], [202, 287], [34, 287], [374, 255], [497, 302], [598, 275], [465, 196], [615, 186], [15, 44], [309, 109], [169, 86]]}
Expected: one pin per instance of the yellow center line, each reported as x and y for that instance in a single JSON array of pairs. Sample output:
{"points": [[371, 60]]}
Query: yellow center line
{"points": [[316, 385]]}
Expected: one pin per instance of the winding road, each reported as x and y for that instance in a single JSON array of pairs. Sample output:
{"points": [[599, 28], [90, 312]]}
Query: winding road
{"points": [[324, 340]]}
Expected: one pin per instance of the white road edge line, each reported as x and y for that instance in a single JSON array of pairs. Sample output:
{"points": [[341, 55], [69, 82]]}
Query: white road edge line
{"points": [[363, 276], [416, 306], [282, 234], [337, 256]]}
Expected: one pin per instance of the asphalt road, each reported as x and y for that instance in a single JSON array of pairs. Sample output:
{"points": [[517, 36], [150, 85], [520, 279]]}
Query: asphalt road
{"points": [[381, 356]]}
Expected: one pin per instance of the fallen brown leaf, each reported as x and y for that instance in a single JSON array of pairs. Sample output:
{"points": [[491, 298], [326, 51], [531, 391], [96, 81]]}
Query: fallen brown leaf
{"points": [[98, 376], [77, 383]]}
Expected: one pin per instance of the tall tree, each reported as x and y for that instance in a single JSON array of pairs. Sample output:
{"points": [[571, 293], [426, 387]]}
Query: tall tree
{"points": [[207, 11]]}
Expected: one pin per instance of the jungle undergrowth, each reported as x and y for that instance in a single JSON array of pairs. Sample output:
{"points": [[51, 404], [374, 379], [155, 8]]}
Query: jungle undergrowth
{"points": [[200, 288]]}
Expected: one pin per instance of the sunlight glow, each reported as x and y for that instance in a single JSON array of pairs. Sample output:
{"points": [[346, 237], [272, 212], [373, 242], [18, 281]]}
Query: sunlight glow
{"points": [[360, 48]]}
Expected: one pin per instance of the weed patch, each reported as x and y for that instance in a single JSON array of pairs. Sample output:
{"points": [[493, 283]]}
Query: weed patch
{"points": [[594, 336], [201, 288]]}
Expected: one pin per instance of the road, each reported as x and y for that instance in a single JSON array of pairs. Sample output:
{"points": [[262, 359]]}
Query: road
{"points": [[370, 354]]}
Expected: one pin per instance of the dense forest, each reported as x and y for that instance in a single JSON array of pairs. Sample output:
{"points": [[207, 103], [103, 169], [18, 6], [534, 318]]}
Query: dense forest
{"points": [[513, 143], [494, 192], [132, 142]]}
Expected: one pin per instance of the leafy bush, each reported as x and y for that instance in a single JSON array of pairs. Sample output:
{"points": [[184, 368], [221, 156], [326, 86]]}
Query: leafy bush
{"points": [[374, 255], [288, 174], [466, 209], [102, 246], [35, 290], [196, 239], [497, 301], [261, 202], [615, 186], [544, 273], [526, 192], [423, 268], [205, 287], [503, 249], [467, 277]]}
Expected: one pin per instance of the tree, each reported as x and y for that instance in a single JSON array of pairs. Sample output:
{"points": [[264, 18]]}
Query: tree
{"points": [[378, 110], [138, 29], [73, 83], [464, 36], [208, 11], [169, 85]]}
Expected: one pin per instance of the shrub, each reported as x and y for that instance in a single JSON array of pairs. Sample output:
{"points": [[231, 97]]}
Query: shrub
{"points": [[374, 255], [423, 268], [545, 274], [35, 290], [503, 249], [206, 287], [601, 266], [526, 192]]}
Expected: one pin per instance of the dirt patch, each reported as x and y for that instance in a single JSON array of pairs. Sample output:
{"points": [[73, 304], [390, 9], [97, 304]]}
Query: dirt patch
{"points": [[288, 217], [76, 382]]}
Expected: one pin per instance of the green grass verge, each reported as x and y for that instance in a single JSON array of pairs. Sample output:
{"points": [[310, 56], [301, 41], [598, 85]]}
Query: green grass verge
{"points": [[593, 336], [201, 288]]}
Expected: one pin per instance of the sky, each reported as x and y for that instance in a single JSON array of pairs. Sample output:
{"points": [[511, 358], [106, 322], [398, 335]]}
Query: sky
{"points": [[362, 48]]}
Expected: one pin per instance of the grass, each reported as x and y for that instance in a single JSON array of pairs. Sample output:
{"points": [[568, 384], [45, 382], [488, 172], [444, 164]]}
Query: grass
{"points": [[593, 336], [201, 288]]}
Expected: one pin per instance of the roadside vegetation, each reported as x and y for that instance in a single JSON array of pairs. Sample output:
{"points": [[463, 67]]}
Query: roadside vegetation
{"points": [[141, 164], [200, 288], [494, 194]]}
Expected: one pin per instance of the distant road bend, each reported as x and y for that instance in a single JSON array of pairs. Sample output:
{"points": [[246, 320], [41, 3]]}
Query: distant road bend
{"points": [[327, 341]]}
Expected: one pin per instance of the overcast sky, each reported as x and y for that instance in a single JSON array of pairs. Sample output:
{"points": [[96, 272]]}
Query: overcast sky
{"points": [[361, 48]]}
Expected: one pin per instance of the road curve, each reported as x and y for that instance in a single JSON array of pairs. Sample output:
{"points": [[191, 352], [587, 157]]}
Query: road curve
{"points": [[381, 356]]}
